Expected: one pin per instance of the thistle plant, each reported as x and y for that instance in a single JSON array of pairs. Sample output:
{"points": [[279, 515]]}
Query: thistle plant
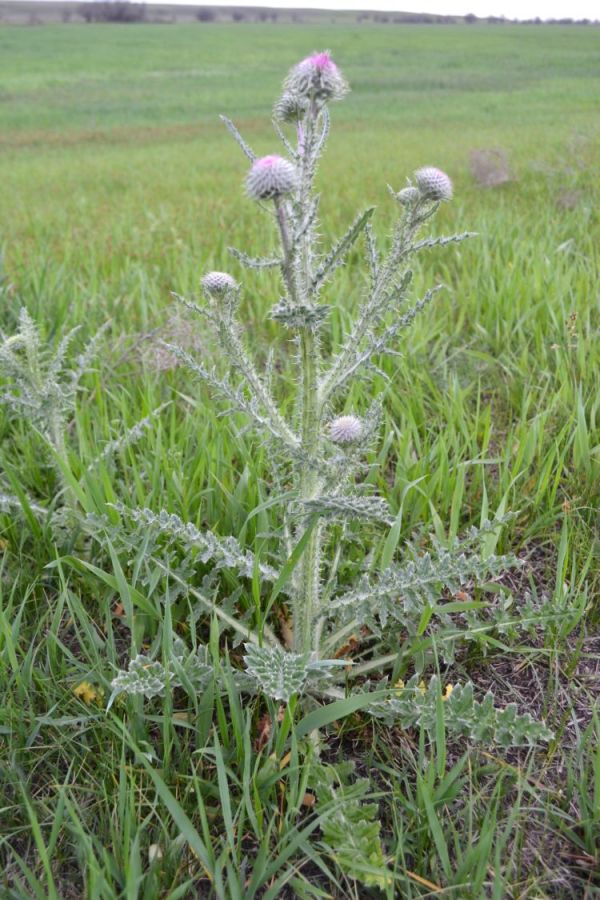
{"points": [[39, 386], [339, 633]]}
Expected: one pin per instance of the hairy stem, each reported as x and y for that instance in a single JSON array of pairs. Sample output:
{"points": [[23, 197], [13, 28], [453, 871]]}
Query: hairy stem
{"points": [[287, 268], [309, 487], [57, 440], [307, 599]]}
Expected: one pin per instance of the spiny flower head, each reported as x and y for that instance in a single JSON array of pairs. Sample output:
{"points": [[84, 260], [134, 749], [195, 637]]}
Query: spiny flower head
{"points": [[345, 429], [219, 283], [290, 107], [433, 183], [408, 196], [317, 76], [271, 176]]}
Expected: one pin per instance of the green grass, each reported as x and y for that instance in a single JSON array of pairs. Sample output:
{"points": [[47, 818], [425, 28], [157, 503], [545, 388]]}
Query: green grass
{"points": [[119, 185]]}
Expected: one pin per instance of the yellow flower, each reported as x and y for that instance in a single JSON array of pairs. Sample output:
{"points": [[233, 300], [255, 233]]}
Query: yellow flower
{"points": [[422, 686], [447, 692], [87, 692], [399, 686]]}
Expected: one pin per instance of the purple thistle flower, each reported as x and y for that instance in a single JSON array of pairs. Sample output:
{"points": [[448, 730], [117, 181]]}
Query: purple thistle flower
{"points": [[317, 76], [433, 183], [219, 283], [271, 176], [345, 429]]}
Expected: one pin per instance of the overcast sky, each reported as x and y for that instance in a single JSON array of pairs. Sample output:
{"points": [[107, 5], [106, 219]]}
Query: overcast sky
{"points": [[512, 9]]}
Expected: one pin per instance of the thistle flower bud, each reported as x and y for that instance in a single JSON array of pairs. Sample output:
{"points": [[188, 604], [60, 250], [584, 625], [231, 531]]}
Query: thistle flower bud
{"points": [[433, 183], [218, 283], [317, 76], [290, 107], [408, 196], [345, 429], [271, 176]]}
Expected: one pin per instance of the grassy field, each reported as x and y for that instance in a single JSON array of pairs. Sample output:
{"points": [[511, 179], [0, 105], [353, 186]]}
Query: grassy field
{"points": [[120, 185]]}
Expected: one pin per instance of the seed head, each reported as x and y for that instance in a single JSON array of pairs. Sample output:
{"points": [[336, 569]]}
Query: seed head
{"points": [[218, 283], [290, 107], [433, 183], [317, 76], [271, 176], [408, 196], [345, 429]]}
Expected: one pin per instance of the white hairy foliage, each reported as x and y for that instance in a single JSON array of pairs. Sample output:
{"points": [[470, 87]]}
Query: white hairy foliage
{"points": [[416, 704], [41, 384], [222, 553], [281, 674], [150, 678], [403, 590], [350, 827]]}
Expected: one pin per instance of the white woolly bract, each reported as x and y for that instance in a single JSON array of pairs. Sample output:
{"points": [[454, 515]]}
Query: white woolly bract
{"points": [[271, 176], [317, 76], [433, 183], [345, 429], [219, 283]]}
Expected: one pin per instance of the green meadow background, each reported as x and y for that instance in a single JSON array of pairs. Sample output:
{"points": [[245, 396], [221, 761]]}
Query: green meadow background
{"points": [[121, 185], [115, 167], [118, 186]]}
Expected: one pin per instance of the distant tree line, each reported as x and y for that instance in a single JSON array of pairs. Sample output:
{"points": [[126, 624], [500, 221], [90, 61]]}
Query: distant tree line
{"points": [[254, 14], [126, 11], [469, 19], [237, 14], [113, 11]]}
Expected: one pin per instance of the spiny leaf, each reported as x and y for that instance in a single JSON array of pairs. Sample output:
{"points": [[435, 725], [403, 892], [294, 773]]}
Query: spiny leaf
{"points": [[238, 138], [336, 255], [415, 705], [150, 677], [351, 831], [223, 552], [350, 508], [403, 591], [251, 262], [281, 674]]}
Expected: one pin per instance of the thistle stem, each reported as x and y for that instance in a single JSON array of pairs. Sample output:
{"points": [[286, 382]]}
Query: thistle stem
{"points": [[57, 441], [289, 275], [307, 599], [309, 486]]}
